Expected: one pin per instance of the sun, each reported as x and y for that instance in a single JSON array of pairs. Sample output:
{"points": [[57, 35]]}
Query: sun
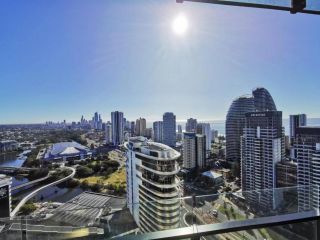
{"points": [[180, 25]]}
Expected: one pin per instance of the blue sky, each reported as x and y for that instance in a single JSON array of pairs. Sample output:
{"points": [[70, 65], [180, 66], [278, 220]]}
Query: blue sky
{"points": [[61, 59]]}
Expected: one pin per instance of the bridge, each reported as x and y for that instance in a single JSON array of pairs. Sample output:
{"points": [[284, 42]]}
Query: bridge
{"points": [[15, 169], [32, 194], [30, 183]]}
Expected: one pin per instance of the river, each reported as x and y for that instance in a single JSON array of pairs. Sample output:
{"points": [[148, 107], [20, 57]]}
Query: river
{"points": [[54, 193], [11, 159]]}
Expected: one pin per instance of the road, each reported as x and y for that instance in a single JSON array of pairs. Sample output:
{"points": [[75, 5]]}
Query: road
{"points": [[30, 183], [204, 212], [204, 215]]}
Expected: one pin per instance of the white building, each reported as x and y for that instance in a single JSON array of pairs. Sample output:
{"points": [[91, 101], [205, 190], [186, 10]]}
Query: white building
{"points": [[206, 130], [194, 151], [66, 151], [307, 145], [189, 151], [8, 145], [152, 185], [261, 149]]}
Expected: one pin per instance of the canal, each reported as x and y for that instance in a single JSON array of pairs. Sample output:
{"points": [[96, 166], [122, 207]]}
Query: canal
{"points": [[11, 159], [54, 193]]}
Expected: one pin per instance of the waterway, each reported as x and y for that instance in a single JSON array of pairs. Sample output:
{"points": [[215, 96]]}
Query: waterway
{"points": [[54, 193], [12, 159]]}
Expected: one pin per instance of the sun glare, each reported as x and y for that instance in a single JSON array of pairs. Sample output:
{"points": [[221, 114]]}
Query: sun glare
{"points": [[180, 25]]}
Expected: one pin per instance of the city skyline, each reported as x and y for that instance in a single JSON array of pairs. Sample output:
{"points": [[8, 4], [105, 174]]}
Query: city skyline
{"points": [[56, 59], [160, 119]]}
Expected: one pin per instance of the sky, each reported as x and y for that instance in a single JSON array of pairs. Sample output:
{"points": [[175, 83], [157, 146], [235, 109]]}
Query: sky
{"points": [[63, 59]]}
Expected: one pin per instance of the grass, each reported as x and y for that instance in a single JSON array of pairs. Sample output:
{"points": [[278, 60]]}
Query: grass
{"points": [[117, 178], [230, 215]]}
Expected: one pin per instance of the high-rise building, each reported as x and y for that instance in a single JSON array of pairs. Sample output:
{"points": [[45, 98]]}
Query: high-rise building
{"points": [[234, 126], [194, 151], [117, 127], [148, 133], [199, 129], [263, 100], [189, 150], [5, 196], [298, 120], [169, 129], [141, 125], [132, 128], [214, 134], [158, 131], [108, 132], [127, 126], [152, 178], [286, 174], [95, 120], [179, 134], [259, 101], [191, 125], [262, 148], [205, 129], [201, 150], [307, 145]]}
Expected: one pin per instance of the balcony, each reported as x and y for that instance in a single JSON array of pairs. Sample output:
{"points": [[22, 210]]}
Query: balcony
{"points": [[218, 216]]}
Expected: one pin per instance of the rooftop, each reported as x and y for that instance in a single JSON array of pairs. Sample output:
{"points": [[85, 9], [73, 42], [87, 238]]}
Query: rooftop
{"points": [[65, 149], [83, 209], [211, 174]]}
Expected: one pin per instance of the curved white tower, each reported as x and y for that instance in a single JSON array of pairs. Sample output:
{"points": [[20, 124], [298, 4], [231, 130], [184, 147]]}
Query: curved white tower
{"points": [[152, 185]]}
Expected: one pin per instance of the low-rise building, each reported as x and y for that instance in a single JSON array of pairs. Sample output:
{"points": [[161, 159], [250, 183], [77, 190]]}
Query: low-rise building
{"points": [[8, 145], [66, 151], [215, 178]]}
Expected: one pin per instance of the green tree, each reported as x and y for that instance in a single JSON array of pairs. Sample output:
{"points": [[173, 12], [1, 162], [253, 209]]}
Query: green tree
{"points": [[235, 169], [28, 208], [83, 171], [85, 184]]}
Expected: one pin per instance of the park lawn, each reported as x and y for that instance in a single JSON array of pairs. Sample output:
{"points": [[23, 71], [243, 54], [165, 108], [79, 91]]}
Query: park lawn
{"points": [[117, 178]]}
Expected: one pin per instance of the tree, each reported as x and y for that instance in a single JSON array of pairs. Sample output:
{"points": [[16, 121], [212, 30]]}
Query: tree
{"points": [[83, 171], [28, 208], [228, 189], [85, 184], [96, 168], [38, 173], [235, 169], [97, 187], [72, 183]]}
